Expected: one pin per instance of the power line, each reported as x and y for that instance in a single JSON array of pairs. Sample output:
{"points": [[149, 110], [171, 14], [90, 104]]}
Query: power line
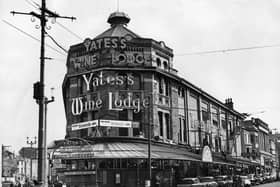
{"points": [[29, 35], [33, 4], [227, 50], [38, 6], [71, 32], [56, 43]]}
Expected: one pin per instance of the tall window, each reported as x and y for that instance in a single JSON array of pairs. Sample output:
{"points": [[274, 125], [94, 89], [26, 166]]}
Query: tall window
{"points": [[73, 87], [136, 82], [181, 92], [158, 62], [193, 110], [161, 85], [205, 111], [166, 83], [167, 122], [215, 115], [230, 124], [160, 123], [123, 115], [193, 117], [165, 65], [164, 125], [223, 120], [182, 129]]}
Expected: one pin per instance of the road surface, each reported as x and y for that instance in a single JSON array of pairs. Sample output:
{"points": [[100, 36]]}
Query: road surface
{"points": [[274, 184]]}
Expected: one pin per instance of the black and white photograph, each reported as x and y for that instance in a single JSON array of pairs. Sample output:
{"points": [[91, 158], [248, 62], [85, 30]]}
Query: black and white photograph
{"points": [[150, 93]]}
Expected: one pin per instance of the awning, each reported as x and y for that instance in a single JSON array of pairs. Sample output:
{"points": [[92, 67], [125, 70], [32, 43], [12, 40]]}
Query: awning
{"points": [[245, 162], [123, 150]]}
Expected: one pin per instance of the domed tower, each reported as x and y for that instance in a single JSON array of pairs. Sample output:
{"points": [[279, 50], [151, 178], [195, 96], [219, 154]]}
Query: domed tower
{"points": [[110, 81]]}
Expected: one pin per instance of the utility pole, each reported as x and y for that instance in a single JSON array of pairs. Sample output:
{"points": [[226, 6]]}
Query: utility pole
{"points": [[31, 143], [39, 90], [1, 164]]}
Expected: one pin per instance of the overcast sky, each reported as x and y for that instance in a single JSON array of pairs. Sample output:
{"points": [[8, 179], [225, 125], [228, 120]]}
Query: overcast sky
{"points": [[250, 77]]}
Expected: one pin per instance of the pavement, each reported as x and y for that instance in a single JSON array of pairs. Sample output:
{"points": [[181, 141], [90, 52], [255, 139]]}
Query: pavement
{"points": [[273, 184]]}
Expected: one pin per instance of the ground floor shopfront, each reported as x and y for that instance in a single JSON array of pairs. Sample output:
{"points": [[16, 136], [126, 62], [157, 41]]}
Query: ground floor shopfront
{"points": [[125, 163]]}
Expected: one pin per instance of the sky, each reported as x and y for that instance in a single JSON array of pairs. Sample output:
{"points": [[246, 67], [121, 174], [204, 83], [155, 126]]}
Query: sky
{"points": [[250, 77]]}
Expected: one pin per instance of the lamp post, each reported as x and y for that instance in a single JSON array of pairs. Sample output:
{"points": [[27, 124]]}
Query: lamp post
{"points": [[150, 122], [31, 143]]}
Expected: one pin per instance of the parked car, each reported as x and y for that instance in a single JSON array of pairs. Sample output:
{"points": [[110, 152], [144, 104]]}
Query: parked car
{"points": [[230, 181], [208, 181], [7, 184], [253, 179], [245, 181], [189, 182], [259, 179], [267, 177], [224, 181], [273, 177]]}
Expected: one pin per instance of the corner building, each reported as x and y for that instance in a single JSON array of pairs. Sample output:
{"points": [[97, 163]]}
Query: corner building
{"points": [[119, 89]]}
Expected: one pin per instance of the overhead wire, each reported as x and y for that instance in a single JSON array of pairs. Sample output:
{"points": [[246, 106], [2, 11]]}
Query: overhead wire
{"points": [[36, 5], [69, 30], [33, 4], [29, 35], [228, 50], [56, 43]]}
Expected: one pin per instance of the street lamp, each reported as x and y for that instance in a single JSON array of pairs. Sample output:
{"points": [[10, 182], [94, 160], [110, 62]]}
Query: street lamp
{"points": [[31, 143]]}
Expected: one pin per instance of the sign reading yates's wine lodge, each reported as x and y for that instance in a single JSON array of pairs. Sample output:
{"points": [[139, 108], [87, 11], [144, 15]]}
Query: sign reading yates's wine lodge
{"points": [[117, 100], [114, 51]]}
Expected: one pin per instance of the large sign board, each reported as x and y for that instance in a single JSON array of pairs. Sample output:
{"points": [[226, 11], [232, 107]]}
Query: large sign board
{"points": [[112, 51], [117, 100]]}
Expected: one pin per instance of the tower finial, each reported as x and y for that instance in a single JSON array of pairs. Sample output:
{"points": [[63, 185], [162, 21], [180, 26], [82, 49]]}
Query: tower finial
{"points": [[118, 18]]}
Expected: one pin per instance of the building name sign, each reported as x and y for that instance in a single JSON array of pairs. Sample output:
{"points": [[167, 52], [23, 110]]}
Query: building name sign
{"points": [[94, 53], [117, 103], [115, 100], [93, 80], [84, 61], [128, 57], [104, 43]]}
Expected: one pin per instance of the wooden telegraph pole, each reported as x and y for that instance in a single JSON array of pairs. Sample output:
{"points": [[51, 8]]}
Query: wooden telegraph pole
{"points": [[39, 90]]}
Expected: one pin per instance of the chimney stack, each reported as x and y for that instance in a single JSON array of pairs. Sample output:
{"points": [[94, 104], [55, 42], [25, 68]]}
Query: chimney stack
{"points": [[229, 103]]}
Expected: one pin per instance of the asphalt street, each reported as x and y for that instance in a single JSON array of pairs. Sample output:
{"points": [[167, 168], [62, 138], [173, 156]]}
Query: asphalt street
{"points": [[274, 184]]}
